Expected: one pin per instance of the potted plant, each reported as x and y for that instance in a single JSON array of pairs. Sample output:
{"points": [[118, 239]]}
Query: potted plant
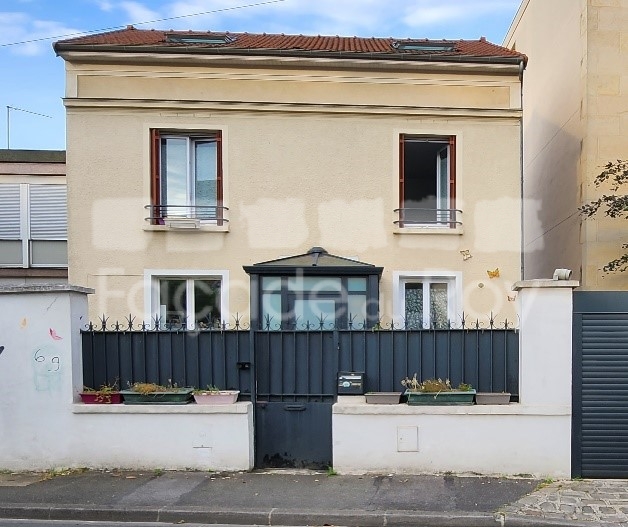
{"points": [[492, 398], [213, 395], [383, 397], [151, 393], [106, 394], [437, 392]]}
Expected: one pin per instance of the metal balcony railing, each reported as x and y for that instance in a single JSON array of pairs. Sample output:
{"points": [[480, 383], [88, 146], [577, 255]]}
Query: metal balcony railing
{"points": [[185, 215], [425, 217]]}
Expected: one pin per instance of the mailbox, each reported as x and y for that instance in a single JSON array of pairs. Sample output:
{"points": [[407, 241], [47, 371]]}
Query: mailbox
{"points": [[351, 383]]}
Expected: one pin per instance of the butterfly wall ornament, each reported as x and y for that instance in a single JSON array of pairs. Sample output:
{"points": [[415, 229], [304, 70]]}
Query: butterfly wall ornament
{"points": [[493, 274], [466, 254], [54, 335]]}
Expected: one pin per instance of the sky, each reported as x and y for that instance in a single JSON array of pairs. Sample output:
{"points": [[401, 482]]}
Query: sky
{"points": [[33, 76]]}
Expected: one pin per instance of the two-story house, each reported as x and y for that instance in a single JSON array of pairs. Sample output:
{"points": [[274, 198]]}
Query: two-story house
{"points": [[33, 217], [295, 178], [574, 124]]}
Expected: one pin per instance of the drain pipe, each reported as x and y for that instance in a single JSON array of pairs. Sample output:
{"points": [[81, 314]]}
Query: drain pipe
{"points": [[521, 166]]}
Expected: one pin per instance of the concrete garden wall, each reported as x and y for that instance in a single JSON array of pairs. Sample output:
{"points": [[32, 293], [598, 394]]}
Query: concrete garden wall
{"points": [[532, 436], [43, 425]]}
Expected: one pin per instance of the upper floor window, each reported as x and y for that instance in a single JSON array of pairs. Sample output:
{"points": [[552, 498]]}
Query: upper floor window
{"points": [[33, 225], [186, 177], [427, 181]]}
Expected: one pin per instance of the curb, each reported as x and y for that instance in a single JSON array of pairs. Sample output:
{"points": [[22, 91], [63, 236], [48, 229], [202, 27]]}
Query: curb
{"points": [[280, 517]]}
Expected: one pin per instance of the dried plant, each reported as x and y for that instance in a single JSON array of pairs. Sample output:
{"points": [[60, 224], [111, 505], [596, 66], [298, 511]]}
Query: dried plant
{"points": [[432, 385]]}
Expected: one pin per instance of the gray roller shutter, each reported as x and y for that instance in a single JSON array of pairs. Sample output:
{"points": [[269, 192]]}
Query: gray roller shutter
{"points": [[9, 211], [600, 446], [48, 212]]}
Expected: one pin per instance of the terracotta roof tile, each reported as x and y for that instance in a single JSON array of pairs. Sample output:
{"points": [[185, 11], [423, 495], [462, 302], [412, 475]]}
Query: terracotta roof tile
{"points": [[285, 44]]}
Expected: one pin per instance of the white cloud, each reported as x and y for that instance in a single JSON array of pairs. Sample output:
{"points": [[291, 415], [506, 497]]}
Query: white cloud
{"points": [[21, 27], [429, 12], [136, 12]]}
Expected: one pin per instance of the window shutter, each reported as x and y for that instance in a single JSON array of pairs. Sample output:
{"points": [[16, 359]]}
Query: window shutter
{"points": [[402, 183], [154, 167], [48, 212], [452, 172], [219, 188], [10, 211]]}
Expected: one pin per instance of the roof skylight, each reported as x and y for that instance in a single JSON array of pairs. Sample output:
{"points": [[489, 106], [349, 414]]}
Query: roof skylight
{"points": [[422, 45], [207, 38]]}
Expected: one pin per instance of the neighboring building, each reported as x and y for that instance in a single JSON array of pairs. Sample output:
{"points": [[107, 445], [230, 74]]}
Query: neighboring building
{"points": [[33, 217], [194, 155], [575, 93]]}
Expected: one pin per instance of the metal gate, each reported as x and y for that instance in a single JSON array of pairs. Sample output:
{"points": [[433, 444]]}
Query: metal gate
{"points": [[295, 374], [600, 384]]}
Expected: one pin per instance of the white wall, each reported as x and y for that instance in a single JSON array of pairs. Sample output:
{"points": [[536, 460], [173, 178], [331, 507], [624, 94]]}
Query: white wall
{"points": [[43, 426], [482, 439], [532, 436]]}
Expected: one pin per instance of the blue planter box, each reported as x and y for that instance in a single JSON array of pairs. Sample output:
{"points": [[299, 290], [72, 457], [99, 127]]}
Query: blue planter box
{"points": [[449, 398]]}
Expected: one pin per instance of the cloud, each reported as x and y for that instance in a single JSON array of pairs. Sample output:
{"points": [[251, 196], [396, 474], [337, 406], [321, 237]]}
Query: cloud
{"points": [[430, 12], [330, 17], [21, 27], [136, 12]]}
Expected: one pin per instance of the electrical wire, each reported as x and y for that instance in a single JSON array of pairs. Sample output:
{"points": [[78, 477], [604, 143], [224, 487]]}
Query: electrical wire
{"points": [[113, 28]]}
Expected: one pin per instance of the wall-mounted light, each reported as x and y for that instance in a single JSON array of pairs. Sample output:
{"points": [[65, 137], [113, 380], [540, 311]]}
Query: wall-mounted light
{"points": [[562, 274]]}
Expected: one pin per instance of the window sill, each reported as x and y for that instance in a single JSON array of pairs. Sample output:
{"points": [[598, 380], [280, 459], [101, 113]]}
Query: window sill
{"points": [[428, 230], [359, 407], [202, 228], [236, 408]]}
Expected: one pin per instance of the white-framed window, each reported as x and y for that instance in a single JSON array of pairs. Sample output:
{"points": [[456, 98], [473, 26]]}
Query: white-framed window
{"points": [[426, 299], [33, 225], [195, 299]]}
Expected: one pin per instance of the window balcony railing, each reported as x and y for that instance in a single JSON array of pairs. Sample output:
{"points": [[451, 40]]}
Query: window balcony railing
{"points": [[186, 216], [424, 217]]}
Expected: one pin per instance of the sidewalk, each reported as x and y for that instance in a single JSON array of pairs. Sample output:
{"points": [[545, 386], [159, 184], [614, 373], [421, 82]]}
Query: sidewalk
{"points": [[311, 498]]}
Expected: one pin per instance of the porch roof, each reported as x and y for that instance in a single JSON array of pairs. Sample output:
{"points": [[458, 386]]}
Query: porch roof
{"points": [[315, 261]]}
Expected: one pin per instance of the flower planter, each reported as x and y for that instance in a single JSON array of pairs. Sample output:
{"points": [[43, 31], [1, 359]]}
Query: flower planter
{"points": [[181, 396], [221, 397], [101, 398], [383, 397], [445, 398], [492, 398]]}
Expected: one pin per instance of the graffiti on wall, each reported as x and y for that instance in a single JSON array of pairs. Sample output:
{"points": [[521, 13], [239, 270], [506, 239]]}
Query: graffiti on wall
{"points": [[47, 365]]}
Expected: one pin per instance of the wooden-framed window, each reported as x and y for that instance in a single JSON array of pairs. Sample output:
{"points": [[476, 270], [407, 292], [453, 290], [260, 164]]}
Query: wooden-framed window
{"points": [[186, 176], [427, 181]]}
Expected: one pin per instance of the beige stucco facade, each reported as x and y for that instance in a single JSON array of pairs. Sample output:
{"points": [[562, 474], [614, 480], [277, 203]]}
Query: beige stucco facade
{"points": [[310, 158], [575, 92]]}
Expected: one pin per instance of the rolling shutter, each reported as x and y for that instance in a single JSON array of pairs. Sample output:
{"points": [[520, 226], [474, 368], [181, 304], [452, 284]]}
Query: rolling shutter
{"points": [[10, 211], [48, 212]]}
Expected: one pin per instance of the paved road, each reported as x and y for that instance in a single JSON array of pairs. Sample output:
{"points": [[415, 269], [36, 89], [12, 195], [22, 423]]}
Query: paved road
{"points": [[57, 523]]}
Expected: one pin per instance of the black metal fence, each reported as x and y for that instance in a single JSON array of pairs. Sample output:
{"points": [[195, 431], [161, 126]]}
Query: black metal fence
{"points": [[301, 362]]}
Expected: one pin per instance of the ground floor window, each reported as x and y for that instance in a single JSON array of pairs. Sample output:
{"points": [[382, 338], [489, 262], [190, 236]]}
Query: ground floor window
{"points": [[191, 300], [313, 302], [423, 300]]}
